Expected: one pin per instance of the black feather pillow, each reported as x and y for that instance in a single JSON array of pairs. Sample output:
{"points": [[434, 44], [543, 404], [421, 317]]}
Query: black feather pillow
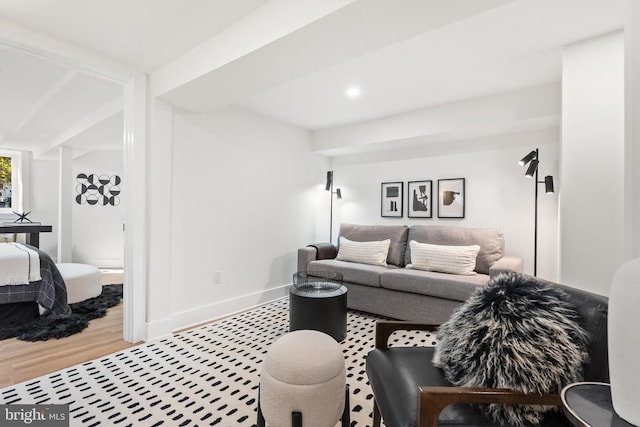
{"points": [[515, 333]]}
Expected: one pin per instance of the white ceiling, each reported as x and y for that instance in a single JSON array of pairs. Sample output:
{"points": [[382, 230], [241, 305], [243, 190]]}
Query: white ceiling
{"points": [[144, 33], [516, 44]]}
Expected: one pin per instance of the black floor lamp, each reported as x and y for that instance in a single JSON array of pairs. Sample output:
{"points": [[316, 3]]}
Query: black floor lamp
{"points": [[533, 160], [338, 194]]}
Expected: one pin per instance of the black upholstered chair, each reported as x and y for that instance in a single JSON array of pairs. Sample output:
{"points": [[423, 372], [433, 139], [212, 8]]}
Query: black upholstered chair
{"points": [[409, 391]]}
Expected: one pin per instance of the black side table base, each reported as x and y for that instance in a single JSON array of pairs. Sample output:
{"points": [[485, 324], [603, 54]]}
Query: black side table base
{"points": [[318, 301], [327, 314]]}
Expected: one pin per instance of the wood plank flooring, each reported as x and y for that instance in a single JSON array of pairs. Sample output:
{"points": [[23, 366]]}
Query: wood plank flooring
{"points": [[21, 360]]}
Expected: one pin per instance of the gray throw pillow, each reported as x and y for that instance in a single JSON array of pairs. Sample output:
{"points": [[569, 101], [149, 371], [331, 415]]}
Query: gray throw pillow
{"points": [[515, 333]]}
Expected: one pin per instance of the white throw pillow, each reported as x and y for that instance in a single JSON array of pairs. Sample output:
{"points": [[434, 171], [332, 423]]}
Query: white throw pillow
{"points": [[445, 259], [374, 252]]}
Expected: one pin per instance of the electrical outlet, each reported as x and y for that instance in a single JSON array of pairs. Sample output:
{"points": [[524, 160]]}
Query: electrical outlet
{"points": [[217, 277]]}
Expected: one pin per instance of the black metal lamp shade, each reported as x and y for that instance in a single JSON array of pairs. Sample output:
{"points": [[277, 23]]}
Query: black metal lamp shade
{"points": [[526, 159], [548, 184], [329, 180], [533, 167]]}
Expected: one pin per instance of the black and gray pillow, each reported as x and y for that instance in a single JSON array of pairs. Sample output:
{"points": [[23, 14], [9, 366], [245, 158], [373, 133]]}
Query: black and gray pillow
{"points": [[517, 333]]}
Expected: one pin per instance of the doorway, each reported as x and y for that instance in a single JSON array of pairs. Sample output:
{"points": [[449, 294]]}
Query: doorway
{"points": [[132, 106]]}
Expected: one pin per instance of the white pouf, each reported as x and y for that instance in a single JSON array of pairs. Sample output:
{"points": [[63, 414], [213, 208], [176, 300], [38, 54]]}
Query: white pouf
{"points": [[83, 281], [303, 372]]}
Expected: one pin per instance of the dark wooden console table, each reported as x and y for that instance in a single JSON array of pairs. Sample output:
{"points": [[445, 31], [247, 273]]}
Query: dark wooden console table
{"points": [[31, 230]]}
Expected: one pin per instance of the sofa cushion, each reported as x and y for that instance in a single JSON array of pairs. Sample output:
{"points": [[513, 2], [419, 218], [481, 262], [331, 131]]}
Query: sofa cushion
{"points": [[443, 258], [491, 241], [442, 285], [352, 272], [372, 252], [396, 233]]}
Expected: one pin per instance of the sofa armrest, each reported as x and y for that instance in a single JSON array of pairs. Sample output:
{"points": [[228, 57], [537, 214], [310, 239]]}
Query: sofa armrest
{"points": [[313, 252], [325, 250], [305, 256], [506, 264]]}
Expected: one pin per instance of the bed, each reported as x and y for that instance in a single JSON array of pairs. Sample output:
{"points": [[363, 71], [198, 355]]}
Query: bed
{"points": [[45, 297]]}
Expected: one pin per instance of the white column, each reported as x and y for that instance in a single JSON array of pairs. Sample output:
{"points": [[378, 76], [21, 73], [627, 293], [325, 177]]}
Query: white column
{"points": [[65, 203], [632, 117], [591, 187], [135, 202], [160, 208]]}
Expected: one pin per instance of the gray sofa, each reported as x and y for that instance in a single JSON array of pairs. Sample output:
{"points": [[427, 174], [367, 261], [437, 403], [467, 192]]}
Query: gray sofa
{"points": [[403, 293]]}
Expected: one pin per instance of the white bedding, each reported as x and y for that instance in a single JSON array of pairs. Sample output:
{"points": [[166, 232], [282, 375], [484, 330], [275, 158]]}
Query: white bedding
{"points": [[19, 264]]}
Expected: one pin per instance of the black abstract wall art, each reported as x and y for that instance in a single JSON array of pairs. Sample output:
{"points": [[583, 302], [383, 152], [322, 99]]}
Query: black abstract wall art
{"points": [[451, 198], [98, 190], [391, 199], [419, 199]]}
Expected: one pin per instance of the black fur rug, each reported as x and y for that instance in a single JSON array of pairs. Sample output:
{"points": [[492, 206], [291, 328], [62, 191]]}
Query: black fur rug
{"points": [[42, 329]]}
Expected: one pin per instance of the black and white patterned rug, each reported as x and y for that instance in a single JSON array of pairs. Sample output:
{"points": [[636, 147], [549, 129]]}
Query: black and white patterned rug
{"points": [[208, 376]]}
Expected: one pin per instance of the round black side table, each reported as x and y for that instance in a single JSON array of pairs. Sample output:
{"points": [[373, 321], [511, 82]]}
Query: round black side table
{"points": [[318, 301], [588, 404]]}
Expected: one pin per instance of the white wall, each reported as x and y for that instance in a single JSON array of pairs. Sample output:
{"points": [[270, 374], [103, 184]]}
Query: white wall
{"points": [[97, 230], [592, 205], [44, 201], [498, 193], [246, 190], [632, 118], [97, 235]]}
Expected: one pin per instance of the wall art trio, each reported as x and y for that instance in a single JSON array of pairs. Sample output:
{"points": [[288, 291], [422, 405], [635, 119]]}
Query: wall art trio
{"points": [[451, 195]]}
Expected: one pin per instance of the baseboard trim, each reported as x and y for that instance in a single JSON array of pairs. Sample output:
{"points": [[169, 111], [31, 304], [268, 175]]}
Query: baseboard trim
{"points": [[209, 313], [158, 329]]}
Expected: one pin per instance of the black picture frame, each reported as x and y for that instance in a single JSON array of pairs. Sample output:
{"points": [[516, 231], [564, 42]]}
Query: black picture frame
{"points": [[391, 194], [451, 198], [420, 199]]}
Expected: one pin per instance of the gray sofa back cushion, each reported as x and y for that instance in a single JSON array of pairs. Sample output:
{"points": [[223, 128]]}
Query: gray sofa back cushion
{"points": [[367, 233], [491, 241]]}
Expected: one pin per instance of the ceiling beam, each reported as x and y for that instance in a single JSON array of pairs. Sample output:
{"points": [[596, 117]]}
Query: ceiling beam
{"points": [[332, 36], [37, 107], [272, 21], [521, 110], [87, 122]]}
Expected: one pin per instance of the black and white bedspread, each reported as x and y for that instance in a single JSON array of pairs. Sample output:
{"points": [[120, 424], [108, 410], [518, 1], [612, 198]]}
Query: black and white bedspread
{"points": [[50, 292]]}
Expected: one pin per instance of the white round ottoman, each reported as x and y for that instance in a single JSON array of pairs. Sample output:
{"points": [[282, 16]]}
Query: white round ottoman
{"points": [[83, 281], [303, 382]]}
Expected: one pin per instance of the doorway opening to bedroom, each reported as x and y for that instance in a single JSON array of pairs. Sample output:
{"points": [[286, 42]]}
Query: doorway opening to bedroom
{"points": [[67, 121]]}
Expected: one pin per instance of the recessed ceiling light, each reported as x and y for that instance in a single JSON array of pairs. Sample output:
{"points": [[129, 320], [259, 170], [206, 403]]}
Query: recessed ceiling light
{"points": [[353, 92]]}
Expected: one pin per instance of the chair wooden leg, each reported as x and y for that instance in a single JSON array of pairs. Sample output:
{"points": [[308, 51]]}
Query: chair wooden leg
{"points": [[376, 414], [346, 414], [296, 419]]}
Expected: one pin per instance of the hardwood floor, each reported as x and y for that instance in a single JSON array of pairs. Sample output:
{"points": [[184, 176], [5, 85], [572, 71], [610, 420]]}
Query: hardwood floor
{"points": [[21, 360]]}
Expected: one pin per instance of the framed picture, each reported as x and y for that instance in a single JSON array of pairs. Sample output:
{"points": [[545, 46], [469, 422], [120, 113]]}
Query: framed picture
{"points": [[391, 199], [451, 197], [419, 201]]}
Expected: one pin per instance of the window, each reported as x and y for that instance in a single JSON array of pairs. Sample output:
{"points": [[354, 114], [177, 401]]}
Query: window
{"points": [[10, 182], [5, 181]]}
